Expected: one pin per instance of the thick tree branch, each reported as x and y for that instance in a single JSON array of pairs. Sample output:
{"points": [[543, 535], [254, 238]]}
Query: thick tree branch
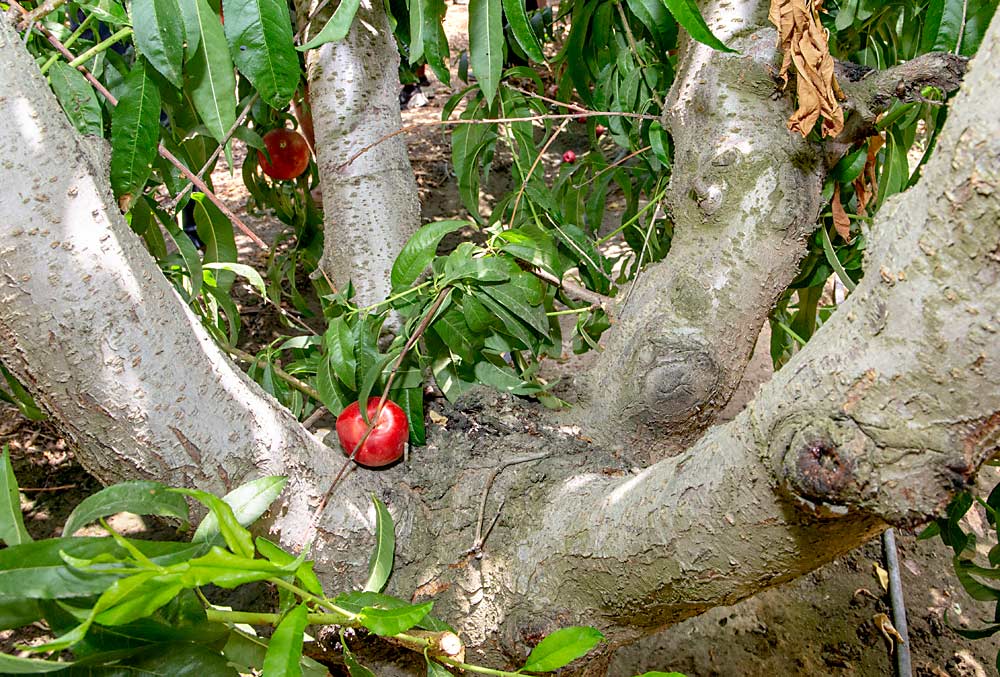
{"points": [[871, 92], [744, 195]]}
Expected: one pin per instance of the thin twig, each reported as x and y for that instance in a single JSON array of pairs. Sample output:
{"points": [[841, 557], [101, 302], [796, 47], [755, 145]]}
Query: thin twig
{"points": [[39, 13], [574, 290], [172, 203], [531, 170], [904, 666], [61, 487], [477, 545], [313, 417], [555, 102], [421, 328], [490, 121], [166, 154], [299, 385], [635, 51], [615, 164]]}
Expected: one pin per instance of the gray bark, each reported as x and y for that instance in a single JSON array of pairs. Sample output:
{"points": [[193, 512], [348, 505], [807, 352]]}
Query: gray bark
{"points": [[371, 205], [889, 409], [89, 323], [744, 197]]}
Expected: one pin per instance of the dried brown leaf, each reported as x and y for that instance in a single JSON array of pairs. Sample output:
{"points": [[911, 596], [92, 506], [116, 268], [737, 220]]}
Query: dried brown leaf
{"points": [[883, 623], [841, 221], [883, 576], [803, 41]]}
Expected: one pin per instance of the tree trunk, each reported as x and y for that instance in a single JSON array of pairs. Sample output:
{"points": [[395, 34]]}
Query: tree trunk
{"points": [[370, 203], [890, 408]]}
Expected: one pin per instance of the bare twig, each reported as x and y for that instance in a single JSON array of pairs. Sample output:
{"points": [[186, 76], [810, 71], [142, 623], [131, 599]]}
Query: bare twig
{"points": [[614, 164], [480, 539], [531, 170], [575, 290], [489, 121], [39, 13], [313, 417], [166, 154], [299, 385], [61, 487]]}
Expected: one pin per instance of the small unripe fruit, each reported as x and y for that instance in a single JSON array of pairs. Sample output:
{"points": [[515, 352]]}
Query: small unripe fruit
{"points": [[569, 157]]}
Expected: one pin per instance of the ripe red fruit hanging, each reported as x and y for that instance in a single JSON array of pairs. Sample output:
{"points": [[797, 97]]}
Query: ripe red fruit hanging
{"points": [[289, 154], [387, 440], [569, 157], [599, 130]]}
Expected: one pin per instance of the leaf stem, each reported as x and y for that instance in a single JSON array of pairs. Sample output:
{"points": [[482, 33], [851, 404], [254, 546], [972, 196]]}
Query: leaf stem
{"points": [[299, 385], [84, 25], [100, 47], [455, 663], [261, 618], [309, 597]]}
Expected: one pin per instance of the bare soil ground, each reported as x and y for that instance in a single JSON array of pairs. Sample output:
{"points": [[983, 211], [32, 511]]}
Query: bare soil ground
{"points": [[821, 624]]}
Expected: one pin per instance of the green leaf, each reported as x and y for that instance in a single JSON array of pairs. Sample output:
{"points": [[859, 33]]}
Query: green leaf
{"points": [[372, 377], [487, 269], [354, 668], [515, 300], [20, 397], [38, 571], [235, 536], [245, 503], [657, 673], [108, 11], [689, 17], [21, 612], [503, 379], [435, 669], [77, 98], [419, 251], [248, 652], [435, 42], [454, 332], [386, 622], [216, 231], [304, 572], [339, 343], [159, 36], [222, 568], [476, 316], [660, 142], [411, 401], [243, 270], [520, 26], [284, 651], [850, 166], [380, 564], [135, 133], [12, 531], [561, 648], [486, 44], [332, 394], [13, 665], [189, 254], [260, 41], [337, 27], [209, 74], [139, 497]]}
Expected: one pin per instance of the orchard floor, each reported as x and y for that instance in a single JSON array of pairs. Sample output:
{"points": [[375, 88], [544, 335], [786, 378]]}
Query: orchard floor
{"points": [[821, 624]]}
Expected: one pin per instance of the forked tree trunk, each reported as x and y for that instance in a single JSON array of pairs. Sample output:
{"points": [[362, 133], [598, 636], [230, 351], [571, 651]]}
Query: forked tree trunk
{"points": [[890, 408]]}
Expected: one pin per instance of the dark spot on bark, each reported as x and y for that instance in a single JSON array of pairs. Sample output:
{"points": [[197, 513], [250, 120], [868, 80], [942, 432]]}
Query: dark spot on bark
{"points": [[823, 471]]}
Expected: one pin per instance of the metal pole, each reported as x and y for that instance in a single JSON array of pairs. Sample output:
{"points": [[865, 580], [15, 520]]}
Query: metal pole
{"points": [[904, 667]]}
